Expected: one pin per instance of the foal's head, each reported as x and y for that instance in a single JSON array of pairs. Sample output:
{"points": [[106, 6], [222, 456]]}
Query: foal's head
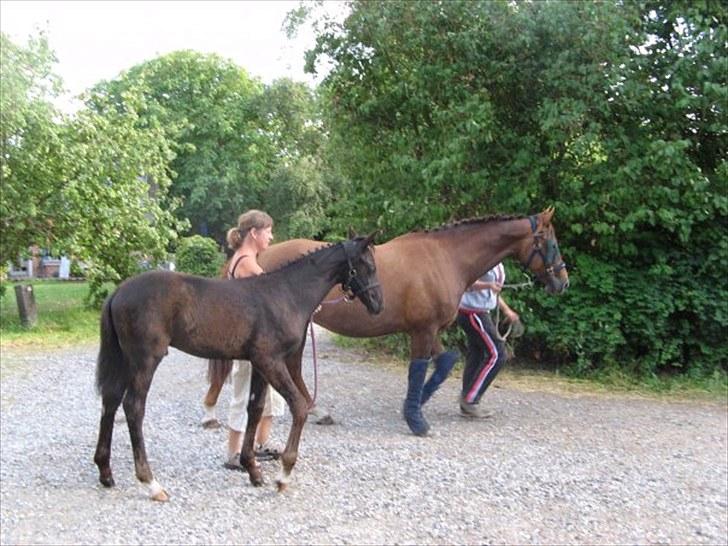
{"points": [[361, 279], [541, 253]]}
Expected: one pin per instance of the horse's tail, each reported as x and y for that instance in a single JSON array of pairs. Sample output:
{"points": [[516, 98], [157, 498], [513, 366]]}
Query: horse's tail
{"points": [[223, 273], [112, 371], [217, 370]]}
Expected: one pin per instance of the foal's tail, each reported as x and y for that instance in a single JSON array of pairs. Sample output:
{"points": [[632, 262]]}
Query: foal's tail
{"points": [[218, 370], [112, 372]]}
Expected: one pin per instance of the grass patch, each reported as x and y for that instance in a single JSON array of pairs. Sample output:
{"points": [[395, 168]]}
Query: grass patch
{"points": [[63, 318]]}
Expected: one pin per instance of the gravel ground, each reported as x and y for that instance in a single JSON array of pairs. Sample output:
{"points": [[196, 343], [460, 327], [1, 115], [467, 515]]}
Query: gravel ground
{"points": [[548, 468]]}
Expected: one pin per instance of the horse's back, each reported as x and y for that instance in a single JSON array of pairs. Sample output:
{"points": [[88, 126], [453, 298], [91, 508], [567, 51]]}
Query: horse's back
{"points": [[156, 306], [156, 287], [415, 287]]}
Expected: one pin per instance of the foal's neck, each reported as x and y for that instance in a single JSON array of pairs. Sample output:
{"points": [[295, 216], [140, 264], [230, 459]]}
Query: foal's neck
{"points": [[317, 275]]}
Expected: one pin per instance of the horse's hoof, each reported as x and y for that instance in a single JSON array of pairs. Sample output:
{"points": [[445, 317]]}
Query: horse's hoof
{"points": [[256, 476], [282, 487], [417, 425], [325, 420], [107, 482], [211, 424], [160, 496], [157, 492]]}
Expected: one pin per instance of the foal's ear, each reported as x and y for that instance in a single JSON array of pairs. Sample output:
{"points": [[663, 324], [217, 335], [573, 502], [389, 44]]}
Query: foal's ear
{"points": [[369, 239]]}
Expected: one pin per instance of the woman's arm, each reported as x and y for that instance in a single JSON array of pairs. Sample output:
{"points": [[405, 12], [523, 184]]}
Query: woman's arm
{"points": [[510, 314]]}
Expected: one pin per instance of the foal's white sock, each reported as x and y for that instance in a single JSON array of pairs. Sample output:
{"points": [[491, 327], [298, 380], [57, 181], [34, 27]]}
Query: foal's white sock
{"points": [[209, 413]]}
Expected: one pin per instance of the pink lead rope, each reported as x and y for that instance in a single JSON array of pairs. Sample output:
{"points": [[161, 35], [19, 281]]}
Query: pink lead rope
{"points": [[313, 345], [315, 366]]}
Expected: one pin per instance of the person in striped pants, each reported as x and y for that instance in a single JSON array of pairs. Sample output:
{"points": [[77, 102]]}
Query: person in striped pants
{"points": [[486, 350]]}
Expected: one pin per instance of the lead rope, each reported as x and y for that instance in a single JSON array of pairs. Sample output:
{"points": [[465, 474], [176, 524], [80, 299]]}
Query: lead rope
{"points": [[315, 366], [516, 286], [313, 344]]}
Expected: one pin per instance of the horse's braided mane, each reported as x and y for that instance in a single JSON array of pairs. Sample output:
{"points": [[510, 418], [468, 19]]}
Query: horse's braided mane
{"points": [[223, 270], [478, 220]]}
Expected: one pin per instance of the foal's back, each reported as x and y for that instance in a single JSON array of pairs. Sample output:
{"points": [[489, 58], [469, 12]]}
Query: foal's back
{"points": [[210, 318]]}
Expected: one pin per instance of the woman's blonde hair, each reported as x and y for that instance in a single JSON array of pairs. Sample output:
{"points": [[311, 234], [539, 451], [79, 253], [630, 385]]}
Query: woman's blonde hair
{"points": [[248, 220]]}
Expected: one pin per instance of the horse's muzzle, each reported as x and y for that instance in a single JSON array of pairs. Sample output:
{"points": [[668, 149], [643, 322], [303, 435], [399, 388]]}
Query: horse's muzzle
{"points": [[556, 285], [374, 305]]}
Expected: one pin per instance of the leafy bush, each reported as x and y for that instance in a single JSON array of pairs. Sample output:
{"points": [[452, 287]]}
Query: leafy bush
{"points": [[666, 318], [77, 270], [3, 280], [199, 256], [505, 107]]}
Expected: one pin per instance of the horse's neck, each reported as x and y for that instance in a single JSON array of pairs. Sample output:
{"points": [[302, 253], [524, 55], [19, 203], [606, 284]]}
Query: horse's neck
{"points": [[478, 247]]}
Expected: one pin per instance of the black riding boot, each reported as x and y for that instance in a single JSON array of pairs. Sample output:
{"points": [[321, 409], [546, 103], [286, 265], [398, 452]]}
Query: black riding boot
{"points": [[444, 363], [412, 404]]}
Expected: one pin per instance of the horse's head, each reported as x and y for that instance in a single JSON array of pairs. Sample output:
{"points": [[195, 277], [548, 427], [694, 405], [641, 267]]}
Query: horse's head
{"points": [[541, 253], [361, 279]]}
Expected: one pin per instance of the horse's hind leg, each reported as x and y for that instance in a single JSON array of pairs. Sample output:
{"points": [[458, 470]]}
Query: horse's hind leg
{"points": [[256, 403], [102, 456], [134, 407], [217, 373], [210, 420]]}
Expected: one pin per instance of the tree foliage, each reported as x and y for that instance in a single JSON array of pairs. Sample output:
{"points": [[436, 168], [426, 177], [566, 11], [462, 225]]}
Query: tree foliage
{"points": [[238, 144], [32, 145], [93, 185], [612, 111]]}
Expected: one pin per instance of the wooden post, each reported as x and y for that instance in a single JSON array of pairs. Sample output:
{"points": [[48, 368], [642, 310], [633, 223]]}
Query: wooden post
{"points": [[27, 310]]}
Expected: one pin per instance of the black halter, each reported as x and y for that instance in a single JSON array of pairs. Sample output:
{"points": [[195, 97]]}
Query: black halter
{"points": [[353, 286], [548, 254]]}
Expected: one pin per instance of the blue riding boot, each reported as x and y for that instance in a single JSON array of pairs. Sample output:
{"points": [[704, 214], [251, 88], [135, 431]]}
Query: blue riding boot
{"points": [[412, 404], [444, 363]]}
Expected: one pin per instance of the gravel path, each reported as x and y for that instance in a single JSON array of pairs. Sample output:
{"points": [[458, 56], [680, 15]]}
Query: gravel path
{"points": [[548, 468]]}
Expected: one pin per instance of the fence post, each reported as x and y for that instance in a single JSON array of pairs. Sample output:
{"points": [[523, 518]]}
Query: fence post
{"points": [[26, 305]]}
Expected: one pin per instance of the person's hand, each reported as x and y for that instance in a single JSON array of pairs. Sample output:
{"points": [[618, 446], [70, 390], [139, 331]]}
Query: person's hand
{"points": [[512, 316], [496, 287]]}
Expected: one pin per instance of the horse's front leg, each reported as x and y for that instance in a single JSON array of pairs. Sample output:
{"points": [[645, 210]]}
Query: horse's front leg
{"points": [[421, 344], [281, 380], [256, 403], [294, 364]]}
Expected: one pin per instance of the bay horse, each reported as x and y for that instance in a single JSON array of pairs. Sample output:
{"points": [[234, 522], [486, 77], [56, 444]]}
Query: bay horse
{"points": [[423, 276], [262, 319]]}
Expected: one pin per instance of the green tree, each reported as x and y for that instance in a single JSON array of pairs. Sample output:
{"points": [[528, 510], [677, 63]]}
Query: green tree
{"points": [[32, 145], [204, 102], [93, 185], [612, 111], [239, 144], [296, 191], [115, 187]]}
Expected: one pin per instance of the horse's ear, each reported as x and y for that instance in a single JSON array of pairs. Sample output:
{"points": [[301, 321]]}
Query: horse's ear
{"points": [[546, 215], [352, 233]]}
